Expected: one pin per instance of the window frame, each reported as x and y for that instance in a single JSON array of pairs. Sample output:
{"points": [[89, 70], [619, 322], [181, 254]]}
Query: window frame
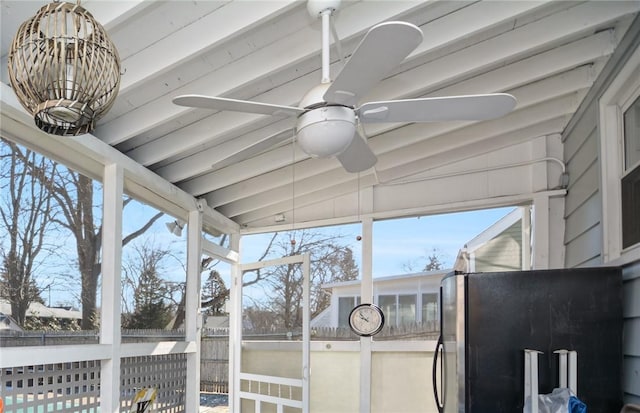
{"points": [[616, 99]]}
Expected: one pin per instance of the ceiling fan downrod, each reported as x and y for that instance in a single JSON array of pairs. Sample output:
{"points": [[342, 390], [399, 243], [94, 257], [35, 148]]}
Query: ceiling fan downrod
{"points": [[324, 9]]}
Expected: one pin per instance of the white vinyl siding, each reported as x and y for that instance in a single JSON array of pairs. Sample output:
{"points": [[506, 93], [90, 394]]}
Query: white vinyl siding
{"points": [[587, 242]]}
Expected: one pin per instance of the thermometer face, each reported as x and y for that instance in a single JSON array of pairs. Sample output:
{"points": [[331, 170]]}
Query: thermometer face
{"points": [[366, 320]]}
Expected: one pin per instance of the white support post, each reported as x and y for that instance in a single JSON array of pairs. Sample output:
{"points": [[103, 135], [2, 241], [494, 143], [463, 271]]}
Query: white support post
{"points": [[541, 234], [235, 328], [193, 322], [306, 334], [568, 369], [366, 294], [111, 268], [526, 237], [562, 368], [531, 378], [573, 372]]}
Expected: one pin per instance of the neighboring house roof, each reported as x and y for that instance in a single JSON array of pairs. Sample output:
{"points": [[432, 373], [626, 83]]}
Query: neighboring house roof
{"points": [[491, 233], [389, 278], [494, 230], [41, 310]]}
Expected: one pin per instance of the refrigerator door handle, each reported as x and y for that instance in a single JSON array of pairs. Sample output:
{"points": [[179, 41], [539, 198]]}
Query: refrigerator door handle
{"points": [[434, 375]]}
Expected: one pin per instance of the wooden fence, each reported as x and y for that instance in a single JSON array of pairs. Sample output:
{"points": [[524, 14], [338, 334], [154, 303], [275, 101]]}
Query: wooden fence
{"points": [[214, 361]]}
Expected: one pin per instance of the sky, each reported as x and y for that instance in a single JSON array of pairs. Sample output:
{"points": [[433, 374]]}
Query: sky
{"points": [[402, 243], [399, 246]]}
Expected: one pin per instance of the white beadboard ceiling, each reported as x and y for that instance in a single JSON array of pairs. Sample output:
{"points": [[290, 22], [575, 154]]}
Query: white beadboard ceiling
{"points": [[546, 53]]}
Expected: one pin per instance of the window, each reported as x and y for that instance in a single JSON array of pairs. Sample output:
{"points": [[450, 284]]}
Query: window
{"points": [[406, 309], [345, 305], [619, 129], [630, 186], [388, 305], [399, 309], [632, 136], [429, 308]]}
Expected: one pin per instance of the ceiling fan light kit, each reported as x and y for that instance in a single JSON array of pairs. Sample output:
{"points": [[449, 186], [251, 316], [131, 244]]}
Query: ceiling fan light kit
{"points": [[326, 131], [328, 115], [64, 69]]}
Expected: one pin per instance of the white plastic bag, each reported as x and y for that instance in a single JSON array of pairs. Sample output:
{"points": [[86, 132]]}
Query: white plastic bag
{"points": [[555, 402]]}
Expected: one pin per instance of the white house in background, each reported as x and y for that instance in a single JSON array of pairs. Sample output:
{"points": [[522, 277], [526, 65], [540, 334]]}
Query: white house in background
{"points": [[413, 298], [404, 299], [42, 311]]}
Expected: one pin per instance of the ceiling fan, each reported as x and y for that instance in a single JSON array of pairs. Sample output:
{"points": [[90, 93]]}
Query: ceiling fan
{"points": [[328, 114]]}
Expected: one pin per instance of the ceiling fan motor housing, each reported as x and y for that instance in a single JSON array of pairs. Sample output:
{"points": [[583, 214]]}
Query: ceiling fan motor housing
{"points": [[326, 131], [315, 7]]}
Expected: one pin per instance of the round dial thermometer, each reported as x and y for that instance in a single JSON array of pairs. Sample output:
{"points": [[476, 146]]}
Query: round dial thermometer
{"points": [[366, 320]]}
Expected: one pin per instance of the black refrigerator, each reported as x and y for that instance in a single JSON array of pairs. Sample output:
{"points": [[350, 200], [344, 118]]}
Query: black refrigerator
{"points": [[488, 319]]}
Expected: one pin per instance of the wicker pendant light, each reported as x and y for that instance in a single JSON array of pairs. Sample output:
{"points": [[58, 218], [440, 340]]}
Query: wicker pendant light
{"points": [[64, 69]]}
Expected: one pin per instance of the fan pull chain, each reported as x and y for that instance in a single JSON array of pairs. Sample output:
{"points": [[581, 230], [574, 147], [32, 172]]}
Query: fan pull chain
{"points": [[293, 189], [359, 237]]}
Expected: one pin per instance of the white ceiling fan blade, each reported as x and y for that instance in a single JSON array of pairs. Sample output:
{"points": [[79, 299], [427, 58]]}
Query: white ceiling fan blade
{"points": [[358, 156], [381, 50], [472, 107], [216, 103], [255, 148]]}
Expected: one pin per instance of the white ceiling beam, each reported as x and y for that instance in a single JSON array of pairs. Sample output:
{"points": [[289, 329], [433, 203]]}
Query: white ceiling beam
{"points": [[232, 20], [321, 198], [472, 21], [351, 186], [214, 157], [514, 45], [452, 143], [260, 64], [563, 105], [112, 14], [220, 127], [580, 52], [457, 142], [560, 85], [438, 33], [537, 67]]}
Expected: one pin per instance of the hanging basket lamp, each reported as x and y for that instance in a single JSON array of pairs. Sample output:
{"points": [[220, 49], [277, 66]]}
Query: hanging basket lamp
{"points": [[64, 69]]}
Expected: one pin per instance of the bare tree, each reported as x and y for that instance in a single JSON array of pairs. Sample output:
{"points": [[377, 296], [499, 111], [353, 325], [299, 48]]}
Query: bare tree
{"points": [[26, 215], [330, 261], [74, 194], [434, 260]]}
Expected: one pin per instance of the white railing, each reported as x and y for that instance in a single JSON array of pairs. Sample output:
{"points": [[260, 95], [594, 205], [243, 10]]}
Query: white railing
{"points": [[278, 391]]}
